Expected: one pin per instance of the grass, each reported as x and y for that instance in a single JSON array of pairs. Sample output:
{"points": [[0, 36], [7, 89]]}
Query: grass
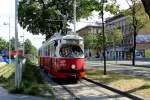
{"points": [[32, 82], [136, 85], [7, 70], [2, 64]]}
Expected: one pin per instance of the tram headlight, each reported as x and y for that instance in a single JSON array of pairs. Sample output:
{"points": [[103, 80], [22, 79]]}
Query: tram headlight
{"points": [[73, 66]]}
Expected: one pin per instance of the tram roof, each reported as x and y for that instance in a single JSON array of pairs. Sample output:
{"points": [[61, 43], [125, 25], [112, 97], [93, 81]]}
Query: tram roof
{"points": [[58, 37], [72, 37]]}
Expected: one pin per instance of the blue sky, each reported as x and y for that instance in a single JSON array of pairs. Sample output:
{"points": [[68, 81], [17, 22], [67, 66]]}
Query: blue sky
{"points": [[7, 9]]}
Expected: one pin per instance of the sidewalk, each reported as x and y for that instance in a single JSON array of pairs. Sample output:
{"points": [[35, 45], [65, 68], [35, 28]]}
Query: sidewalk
{"points": [[4, 95]]}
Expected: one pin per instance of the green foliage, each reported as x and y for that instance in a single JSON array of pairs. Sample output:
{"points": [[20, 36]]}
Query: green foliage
{"points": [[12, 40], [147, 53], [96, 41], [138, 19], [3, 44], [140, 16], [87, 41], [32, 82], [110, 6], [45, 16], [40, 16], [29, 48], [115, 36], [93, 41], [99, 41]]}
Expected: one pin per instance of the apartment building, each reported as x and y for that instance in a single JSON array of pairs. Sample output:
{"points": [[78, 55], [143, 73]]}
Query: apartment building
{"points": [[93, 28], [125, 50]]}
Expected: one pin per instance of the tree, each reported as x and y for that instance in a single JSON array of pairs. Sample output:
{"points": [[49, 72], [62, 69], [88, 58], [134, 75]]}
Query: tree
{"points": [[115, 38], [4, 45], [138, 18], [29, 48], [90, 41], [46, 16], [12, 40], [102, 7], [99, 41]]}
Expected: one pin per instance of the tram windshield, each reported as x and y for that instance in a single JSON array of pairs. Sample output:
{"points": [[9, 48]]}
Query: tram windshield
{"points": [[71, 51]]}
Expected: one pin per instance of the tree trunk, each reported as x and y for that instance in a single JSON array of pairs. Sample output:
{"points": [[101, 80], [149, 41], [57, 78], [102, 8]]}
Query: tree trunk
{"points": [[134, 33], [146, 4]]}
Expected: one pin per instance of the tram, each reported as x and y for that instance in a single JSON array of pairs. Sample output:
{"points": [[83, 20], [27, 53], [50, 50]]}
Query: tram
{"points": [[63, 56]]}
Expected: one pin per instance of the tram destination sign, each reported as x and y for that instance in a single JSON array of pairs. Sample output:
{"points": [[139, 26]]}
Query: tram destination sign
{"points": [[73, 41]]}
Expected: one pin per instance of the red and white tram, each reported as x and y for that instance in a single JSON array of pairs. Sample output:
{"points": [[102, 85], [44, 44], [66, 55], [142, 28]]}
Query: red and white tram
{"points": [[63, 56]]}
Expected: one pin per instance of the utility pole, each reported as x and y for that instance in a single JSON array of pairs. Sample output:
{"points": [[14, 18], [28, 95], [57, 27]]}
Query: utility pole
{"points": [[17, 82], [9, 42], [103, 32], [74, 17], [9, 37]]}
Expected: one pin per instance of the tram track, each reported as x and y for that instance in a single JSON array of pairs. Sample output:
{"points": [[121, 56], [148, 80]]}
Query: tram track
{"points": [[86, 89], [61, 92], [131, 96]]}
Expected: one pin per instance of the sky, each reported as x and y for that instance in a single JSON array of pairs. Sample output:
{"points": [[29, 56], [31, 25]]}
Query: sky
{"points": [[7, 9]]}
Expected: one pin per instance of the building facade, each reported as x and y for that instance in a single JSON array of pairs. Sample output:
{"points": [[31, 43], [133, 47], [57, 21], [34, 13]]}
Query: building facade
{"points": [[124, 51], [90, 29]]}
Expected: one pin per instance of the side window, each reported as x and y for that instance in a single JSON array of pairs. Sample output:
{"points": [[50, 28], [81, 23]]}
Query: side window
{"points": [[45, 51], [53, 51], [48, 50], [42, 51]]}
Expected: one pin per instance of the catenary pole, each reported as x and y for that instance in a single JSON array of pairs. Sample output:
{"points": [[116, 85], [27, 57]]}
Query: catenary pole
{"points": [[9, 42], [74, 16], [16, 46], [9, 36]]}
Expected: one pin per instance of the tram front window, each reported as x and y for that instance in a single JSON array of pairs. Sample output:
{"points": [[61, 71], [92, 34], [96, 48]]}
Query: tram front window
{"points": [[71, 51]]}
